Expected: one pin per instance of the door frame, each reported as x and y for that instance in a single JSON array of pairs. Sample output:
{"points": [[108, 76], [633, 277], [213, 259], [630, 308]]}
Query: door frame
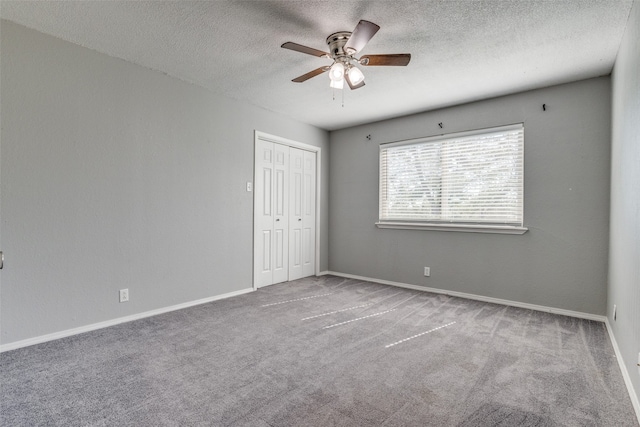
{"points": [[262, 136]]}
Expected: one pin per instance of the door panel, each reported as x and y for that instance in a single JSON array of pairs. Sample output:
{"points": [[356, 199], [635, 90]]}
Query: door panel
{"points": [[281, 217], [302, 242], [266, 251], [279, 250], [263, 221], [307, 243], [296, 207], [309, 215], [266, 189]]}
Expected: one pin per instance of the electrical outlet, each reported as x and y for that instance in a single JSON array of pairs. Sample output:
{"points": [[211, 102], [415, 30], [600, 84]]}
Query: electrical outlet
{"points": [[124, 295], [427, 271], [249, 186], [615, 310]]}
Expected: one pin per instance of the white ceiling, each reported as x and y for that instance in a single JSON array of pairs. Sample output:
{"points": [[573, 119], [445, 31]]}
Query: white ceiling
{"points": [[461, 50]]}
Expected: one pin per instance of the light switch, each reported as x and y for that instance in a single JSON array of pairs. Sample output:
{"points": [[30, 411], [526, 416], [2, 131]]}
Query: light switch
{"points": [[249, 186]]}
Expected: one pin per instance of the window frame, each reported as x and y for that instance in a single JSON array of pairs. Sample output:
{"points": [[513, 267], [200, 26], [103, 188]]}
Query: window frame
{"points": [[476, 227]]}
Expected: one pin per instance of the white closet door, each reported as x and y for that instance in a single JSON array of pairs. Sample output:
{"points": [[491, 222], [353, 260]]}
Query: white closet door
{"points": [[271, 225], [295, 213], [281, 214], [302, 229], [264, 215], [309, 215], [284, 213]]}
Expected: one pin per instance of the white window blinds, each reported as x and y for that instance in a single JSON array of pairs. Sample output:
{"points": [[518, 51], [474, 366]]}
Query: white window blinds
{"points": [[468, 178]]}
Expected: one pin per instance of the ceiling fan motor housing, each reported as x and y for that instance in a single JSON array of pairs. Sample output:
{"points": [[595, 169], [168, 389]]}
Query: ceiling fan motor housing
{"points": [[336, 42]]}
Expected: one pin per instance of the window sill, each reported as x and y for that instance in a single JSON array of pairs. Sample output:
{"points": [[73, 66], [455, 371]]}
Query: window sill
{"points": [[467, 228]]}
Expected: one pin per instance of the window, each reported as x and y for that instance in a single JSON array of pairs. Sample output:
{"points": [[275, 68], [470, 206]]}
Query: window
{"points": [[471, 181]]}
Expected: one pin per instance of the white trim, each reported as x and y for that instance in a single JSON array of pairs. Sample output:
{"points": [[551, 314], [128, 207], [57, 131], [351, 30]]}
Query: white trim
{"points": [[307, 147], [625, 373], [92, 327], [570, 313], [469, 228], [323, 273], [284, 141]]}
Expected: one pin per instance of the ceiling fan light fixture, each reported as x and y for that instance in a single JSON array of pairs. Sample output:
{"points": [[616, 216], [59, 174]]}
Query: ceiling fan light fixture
{"points": [[336, 73], [337, 84], [355, 76]]}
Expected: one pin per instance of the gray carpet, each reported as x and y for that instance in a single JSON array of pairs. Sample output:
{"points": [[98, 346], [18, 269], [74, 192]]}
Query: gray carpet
{"points": [[324, 351]]}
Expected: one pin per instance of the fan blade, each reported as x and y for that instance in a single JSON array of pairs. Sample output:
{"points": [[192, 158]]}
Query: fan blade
{"points": [[310, 74], [358, 86], [360, 36], [304, 49], [393, 59]]}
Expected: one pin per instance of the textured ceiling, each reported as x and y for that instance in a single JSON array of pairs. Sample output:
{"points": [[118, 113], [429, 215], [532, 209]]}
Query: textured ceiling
{"points": [[461, 50]]}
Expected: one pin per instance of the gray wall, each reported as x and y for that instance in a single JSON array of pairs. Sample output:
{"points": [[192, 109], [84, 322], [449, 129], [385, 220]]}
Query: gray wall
{"points": [[115, 176], [624, 257], [560, 262]]}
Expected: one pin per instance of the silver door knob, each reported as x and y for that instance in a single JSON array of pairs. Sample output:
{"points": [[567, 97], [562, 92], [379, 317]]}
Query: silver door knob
{"points": [[299, 219]]}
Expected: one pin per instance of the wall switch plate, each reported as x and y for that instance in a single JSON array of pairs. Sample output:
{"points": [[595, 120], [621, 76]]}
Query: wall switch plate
{"points": [[615, 309], [427, 271], [249, 186], [124, 295]]}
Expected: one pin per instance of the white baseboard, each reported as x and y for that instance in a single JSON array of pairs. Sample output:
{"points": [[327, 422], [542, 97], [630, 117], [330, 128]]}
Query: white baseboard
{"points": [[62, 334], [535, 307], [625, 373]]}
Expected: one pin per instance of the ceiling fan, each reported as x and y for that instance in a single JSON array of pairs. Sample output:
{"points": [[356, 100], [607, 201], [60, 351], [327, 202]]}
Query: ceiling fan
{"points": [[343, 46]]}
